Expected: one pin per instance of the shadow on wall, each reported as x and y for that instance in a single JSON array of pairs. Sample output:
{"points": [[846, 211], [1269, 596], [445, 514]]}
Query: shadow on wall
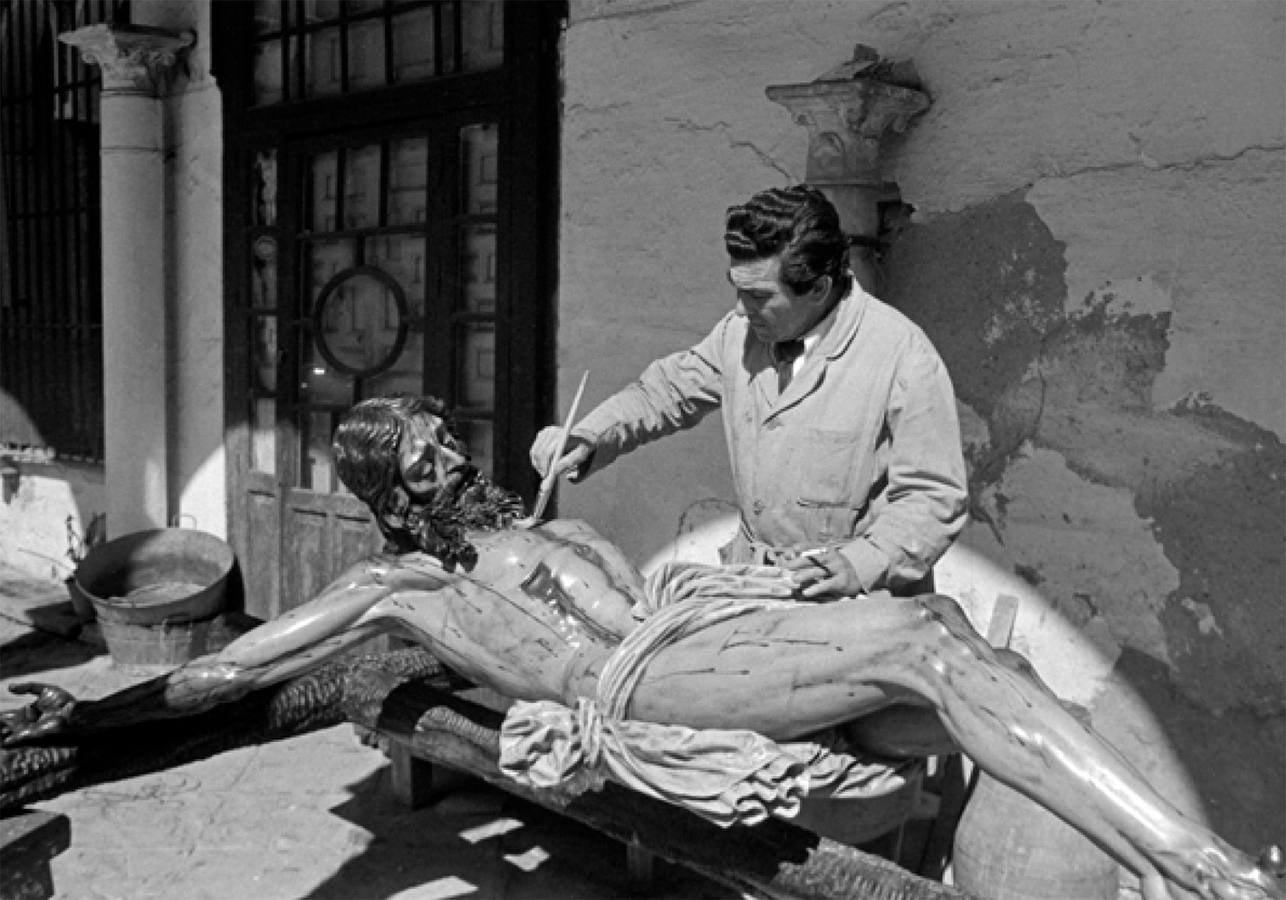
{"points": [[1158, 532]]}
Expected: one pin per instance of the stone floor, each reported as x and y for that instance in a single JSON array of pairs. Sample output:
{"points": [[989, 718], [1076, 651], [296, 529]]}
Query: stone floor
{"points": [[311, 817]]}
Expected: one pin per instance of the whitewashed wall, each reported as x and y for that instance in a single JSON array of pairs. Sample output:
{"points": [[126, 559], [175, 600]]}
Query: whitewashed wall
{"points": [[44, 521]]}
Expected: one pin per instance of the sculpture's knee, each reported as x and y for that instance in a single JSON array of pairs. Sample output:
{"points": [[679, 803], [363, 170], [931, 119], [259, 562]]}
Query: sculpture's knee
{"points": [[946, 613], [941, 608], [1016, 662]]}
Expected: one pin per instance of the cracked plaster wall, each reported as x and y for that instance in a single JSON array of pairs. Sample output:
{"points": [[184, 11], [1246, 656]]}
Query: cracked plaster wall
{"points": [[1096, 249]]}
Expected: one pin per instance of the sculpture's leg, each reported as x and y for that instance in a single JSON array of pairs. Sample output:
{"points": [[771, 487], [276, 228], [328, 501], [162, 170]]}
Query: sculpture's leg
{"points": [[1019, 732], [916, 730], [1014, 728], [790, 673]]}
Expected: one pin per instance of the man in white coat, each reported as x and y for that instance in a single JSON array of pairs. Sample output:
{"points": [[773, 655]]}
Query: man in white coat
{"points": [[839, 414]]}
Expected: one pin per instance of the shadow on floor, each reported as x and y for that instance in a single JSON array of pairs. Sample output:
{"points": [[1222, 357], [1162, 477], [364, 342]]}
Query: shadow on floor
{"points": [[37, 651], [499, 847]]}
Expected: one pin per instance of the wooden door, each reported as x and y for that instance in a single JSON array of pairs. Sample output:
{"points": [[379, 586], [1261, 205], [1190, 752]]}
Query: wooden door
{"points": [[372, 251]]}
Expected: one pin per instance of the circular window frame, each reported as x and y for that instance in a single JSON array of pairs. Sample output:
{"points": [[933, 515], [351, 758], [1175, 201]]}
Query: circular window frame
{"points": [[318, 320]]}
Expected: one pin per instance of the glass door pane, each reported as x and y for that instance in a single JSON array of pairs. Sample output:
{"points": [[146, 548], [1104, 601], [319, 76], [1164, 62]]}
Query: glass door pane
{"points": [[474, 332], [333, 49]]}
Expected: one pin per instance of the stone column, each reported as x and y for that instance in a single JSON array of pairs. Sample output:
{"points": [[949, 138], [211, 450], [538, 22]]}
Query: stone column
{"points": [[134, 61], [848, 112]]}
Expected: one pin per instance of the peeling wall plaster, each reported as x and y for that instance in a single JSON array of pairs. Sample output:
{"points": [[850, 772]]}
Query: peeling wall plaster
{"points": [[1084, 546], [1223, 522], [1165, 524], [1203, 242], [1080, 384]]}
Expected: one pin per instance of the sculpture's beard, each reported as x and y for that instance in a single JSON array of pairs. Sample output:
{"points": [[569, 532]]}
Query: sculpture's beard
{"points": [[466, 501]]}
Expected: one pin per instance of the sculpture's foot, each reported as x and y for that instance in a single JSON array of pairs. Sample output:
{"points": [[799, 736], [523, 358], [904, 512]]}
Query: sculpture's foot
{"points": [[48, 715], [1220, 872]]}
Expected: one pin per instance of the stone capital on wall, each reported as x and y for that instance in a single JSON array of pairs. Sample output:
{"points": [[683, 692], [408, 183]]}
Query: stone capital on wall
{"points": [[847, 112], [846, 121], [134, 58]]}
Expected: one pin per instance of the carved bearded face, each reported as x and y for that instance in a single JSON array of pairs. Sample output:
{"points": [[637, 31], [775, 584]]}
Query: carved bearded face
{"points": [[429, 457]]}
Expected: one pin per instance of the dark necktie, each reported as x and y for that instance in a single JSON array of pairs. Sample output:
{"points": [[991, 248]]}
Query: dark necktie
{"points": [[786, 352]]}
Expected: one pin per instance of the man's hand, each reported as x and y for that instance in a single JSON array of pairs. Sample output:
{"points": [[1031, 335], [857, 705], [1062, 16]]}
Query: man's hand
{"points": [[47, 715], [822, 573], [576, 453]]}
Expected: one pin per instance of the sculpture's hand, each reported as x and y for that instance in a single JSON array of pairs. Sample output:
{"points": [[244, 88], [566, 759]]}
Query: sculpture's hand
{"points": [[576, 453], [47, 715], [1215, 870], [193, 688], [822, 574], [1229, 875], [1272, 862], [1270, 871]]}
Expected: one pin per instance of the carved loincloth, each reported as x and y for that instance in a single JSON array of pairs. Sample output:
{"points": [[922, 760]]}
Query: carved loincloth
{"points": [[728, 776]]}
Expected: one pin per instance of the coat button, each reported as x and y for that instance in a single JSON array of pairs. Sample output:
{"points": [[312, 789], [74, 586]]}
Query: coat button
{"points": [[758, 507]]}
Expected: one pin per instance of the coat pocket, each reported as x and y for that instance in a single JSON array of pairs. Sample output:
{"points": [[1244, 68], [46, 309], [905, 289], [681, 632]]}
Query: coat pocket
{"points": [[827, 501], [830, 521]]}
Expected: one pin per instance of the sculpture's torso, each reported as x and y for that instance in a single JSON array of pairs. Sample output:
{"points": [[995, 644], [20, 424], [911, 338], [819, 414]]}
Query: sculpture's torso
{"points": [[583, 579], [535, 608]]}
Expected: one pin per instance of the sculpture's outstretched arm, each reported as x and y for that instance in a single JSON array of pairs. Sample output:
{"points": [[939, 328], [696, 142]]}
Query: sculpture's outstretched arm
{"points": [[297, 642]]}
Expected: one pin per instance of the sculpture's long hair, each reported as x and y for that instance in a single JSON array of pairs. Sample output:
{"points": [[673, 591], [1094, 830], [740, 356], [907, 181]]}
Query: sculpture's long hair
{"points": [[365, 450]]}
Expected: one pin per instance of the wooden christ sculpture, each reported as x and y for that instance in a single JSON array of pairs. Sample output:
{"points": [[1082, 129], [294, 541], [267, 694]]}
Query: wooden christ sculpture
{"points": [[554, 615]]}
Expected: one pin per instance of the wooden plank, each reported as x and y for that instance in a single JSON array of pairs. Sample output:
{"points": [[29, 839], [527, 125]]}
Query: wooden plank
{"points": [[411, 777], [1001, 627], [771, 860], [28, 841]]}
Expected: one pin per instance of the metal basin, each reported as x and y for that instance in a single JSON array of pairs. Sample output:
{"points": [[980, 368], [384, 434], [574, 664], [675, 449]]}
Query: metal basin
{"points": [[166, 575]]}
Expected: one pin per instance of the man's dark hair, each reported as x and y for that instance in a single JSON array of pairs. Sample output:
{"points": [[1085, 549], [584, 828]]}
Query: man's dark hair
{"points": [[365, 450], [797, 222]]}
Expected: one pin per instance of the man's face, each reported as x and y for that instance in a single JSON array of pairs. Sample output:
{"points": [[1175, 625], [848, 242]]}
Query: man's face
{"points": [[427, 455], [775, 312]]}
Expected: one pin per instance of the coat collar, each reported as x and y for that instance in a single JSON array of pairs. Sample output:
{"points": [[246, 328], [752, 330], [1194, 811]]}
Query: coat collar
{"points": [[846, 320], [847, 315]]}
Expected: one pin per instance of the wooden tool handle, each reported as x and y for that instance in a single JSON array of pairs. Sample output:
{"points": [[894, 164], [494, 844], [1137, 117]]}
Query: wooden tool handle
{"points": [[551, 477]]}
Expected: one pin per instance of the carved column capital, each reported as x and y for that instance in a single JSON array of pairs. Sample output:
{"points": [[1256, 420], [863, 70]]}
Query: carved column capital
{"points": [[846, 121], [848, 111], [134, 58]]}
